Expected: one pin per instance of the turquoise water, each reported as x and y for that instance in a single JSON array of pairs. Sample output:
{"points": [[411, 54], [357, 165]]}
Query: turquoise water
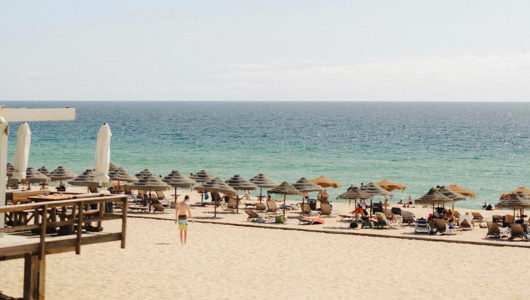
{"points": [[480, 146]]}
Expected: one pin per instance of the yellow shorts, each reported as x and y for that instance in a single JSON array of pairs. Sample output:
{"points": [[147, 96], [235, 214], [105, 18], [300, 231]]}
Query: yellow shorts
{"points": [[183, 224]]}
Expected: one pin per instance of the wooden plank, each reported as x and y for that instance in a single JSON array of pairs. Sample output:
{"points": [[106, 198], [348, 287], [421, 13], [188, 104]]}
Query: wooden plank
{"points": [[41, 114], [59, 203], [123, 223], [42, 248], [31, 277], [79, 230]]}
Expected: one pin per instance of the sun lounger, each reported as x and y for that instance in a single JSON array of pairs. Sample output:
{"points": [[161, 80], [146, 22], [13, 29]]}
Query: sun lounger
{"points": [[477, 217], [396, 211], [422, 226], [252, 215], [465, 222], [232, 205], [508, 220], [441, 226], [456, 214], [271, 207], [517, 232], [158, 207], [310, 221], [493, 230], [382, 221], [93, 189], [497, 219], [261, 207], [326, 210], [306, 210], [160, 195], [408, 218], [388, 214]]}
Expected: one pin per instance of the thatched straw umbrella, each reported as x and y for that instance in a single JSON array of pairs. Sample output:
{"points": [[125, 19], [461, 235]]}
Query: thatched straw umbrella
{"points": [[44, 171], [88, 179], [61, 174], [34, 176], [9, 170], [391, 185], [518, 200], [325, 182], [263, 181], [433, 197], [452, 195], [202, 176], [112, 167], [177, 179], [374, 190], [216, 185], [285, 189], [304, 185], [461, 190], [354, 193], [520, 189], [144, 173], [240, 184], [150, 182], [121, 175]]}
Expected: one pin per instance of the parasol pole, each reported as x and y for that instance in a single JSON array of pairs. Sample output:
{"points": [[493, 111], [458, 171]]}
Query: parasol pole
{"points": [[260, 194], [284, 206]]}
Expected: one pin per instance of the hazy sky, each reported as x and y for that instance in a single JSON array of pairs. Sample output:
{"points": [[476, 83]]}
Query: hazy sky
{"points": [[265, 50]]}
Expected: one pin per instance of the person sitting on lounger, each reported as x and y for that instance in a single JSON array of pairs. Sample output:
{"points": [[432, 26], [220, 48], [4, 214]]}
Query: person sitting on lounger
{"points": [[325, 196], [246, 196], [449, 216], [306, 196], [400, 201]]}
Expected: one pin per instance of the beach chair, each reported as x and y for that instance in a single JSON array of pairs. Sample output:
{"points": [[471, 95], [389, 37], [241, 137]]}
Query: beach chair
{"points": [[271, 207], [493, 230], [477, 217], [252, 215], [382, 221], [93, 189], [456, 214], [497, 219], [508, 220], [326, 210], [396, 211], [232, 205], [408, 218], [517, 232], [261, 207], [388, 214], [160, 195], [440, 225], [465, 222], [306, 211], [422, 226]]}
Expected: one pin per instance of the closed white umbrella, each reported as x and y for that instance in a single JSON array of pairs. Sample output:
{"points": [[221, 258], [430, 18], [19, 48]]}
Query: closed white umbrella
{"points": [[103, 154], [22, 152]]}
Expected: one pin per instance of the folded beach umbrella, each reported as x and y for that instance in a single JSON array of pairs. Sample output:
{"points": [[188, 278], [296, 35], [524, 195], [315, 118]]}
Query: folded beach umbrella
{"points": [[452, 195], [9, 170], [112, 167], [461, 190], [144, 173], [390, 185], [61, 174], [518, 200], [202, 176], [44, 170], [304, 185], [178, 180], [241, 184], [432, 197], [325, 182], [103, 155], [216, 185], [263, 181], [285, 189], [22, 152], [520, 189], [34, 176], [87, 178]]}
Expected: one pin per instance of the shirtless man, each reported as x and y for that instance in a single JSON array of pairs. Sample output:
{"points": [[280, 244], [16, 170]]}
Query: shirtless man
{"points": [[181, 217]]}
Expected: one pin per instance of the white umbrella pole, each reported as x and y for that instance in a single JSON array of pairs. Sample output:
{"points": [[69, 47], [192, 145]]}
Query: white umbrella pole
{"points": [[4, 131]]}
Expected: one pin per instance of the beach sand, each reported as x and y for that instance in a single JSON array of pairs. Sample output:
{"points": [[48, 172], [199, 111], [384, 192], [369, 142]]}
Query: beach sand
{"points": [[234, 262]]}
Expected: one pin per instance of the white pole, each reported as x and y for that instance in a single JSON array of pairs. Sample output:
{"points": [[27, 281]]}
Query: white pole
{"points": [[4, 132]]}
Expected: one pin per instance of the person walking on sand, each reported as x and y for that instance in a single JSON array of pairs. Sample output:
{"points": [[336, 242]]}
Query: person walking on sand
{"points": [[181, 217]]}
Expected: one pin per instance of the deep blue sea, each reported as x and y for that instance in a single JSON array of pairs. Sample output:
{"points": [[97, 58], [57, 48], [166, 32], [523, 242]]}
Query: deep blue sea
{"points": [[483, 147]]}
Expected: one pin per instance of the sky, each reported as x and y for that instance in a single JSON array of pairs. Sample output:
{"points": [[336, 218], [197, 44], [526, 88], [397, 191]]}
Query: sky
{"points": [[265, 50]]}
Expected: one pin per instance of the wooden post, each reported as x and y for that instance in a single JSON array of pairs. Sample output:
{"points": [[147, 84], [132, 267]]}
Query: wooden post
{"points": [[101, 213], [79, 230], [284, 205], [42, 247], [34, 277], [123, 222]]}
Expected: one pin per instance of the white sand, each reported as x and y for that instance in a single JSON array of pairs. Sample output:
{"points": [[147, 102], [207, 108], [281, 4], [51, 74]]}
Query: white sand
{"points": [[228, 262]]}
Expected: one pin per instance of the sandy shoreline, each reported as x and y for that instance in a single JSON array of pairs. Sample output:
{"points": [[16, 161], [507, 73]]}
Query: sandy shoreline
{"points": [[234, 262]]}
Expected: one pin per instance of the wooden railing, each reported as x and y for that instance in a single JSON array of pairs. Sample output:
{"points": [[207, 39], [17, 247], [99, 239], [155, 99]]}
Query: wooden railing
{"points": [[74, 213]]}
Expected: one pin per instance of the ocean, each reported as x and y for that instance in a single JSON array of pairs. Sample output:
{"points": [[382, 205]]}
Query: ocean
{"points": [[480, 146]]}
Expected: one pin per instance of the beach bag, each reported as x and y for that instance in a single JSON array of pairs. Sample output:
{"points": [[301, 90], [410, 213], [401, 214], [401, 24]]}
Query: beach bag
{"points": [[206, 197], [353, 225], [279, 219]]}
